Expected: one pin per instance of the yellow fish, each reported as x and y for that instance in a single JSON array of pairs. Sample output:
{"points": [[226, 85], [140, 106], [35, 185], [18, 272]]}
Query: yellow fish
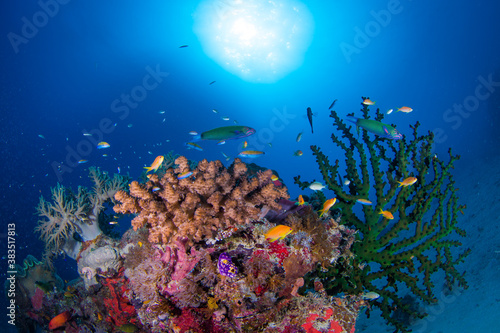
{"points": [[99, 316], [387, 214], [156, 164], [103, 145], [368, 102], [327, 205], [139, 243], [278, 232], [301, 200], [408, 181]]}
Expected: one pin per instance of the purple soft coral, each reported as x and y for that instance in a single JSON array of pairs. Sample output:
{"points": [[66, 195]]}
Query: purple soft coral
{"points": [[226, 266]]}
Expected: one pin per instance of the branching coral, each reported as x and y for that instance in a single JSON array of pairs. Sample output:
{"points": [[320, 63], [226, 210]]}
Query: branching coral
{"points": [[71, 212], [418, 244], [213, 198]]}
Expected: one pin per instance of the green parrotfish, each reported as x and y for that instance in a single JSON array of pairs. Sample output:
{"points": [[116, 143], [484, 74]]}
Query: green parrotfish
{"points": [[222, 134], [377, 128]]}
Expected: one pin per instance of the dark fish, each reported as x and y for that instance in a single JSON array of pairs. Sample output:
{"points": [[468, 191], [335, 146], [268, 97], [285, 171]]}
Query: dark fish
{"points": [[211, 83], [45, 286], [183, 46], [331, 105], [310, 117]]}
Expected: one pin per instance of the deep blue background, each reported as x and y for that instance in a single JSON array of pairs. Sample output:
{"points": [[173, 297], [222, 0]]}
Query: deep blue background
{"points": [[64, 80]]}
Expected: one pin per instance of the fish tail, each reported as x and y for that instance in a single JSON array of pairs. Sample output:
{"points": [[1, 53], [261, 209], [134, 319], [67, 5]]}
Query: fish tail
{"points": [[352, 119], [148, 168]]}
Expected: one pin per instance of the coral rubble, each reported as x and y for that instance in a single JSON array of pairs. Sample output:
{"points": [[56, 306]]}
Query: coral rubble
{"points": [[393, 257]]}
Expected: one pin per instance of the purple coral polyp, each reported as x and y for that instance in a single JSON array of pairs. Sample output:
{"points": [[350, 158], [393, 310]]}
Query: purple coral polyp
{"points": [[226, 266]]}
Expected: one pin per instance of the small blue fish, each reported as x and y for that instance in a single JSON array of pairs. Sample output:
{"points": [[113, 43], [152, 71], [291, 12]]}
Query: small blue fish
{"points": [[184, 175], [365, 202], [192, 145]]}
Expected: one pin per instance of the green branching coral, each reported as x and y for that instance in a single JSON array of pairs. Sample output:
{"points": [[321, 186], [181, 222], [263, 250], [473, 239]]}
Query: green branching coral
{"points": [[401, 255]]}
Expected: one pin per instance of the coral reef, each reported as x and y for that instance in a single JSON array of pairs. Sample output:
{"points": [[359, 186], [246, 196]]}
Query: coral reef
{"points": [[102, 258], [241, 283], [227, 278], [33, 281], [33, 275], [210, 200], [393, 257], [72, 213]]}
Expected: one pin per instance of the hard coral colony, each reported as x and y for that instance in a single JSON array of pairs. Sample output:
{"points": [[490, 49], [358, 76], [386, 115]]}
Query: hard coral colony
{"points": [[217, 249]]}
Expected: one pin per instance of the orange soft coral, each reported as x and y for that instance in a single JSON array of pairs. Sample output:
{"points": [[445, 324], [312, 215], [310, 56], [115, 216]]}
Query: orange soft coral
{"points": [[213, 198]]}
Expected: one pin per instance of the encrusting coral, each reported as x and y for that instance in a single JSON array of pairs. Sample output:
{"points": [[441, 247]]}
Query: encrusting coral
{"points": [[211, 200], [408, 250], [71, 213]]}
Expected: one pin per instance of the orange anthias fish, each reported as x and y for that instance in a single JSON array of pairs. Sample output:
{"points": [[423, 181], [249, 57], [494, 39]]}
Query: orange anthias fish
{"points": [[301, 201], [405, 109], [327, 205], [278, 232], [156, 164], [368, 102], [387, 214], [408, 181], [59, 320]]}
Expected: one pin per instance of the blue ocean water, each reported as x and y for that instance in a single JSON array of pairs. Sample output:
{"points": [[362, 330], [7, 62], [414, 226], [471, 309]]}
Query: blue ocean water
{"points": [[67, 68]]}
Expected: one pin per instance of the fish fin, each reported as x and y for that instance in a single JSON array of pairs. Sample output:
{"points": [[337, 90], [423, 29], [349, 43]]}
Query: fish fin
{"points": [[195, 138], [352, 120]]}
